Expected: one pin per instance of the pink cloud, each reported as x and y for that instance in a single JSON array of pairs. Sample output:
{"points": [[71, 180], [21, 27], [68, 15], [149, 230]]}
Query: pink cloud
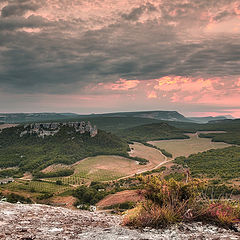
{"points": [[152, 94], [121, 85]]}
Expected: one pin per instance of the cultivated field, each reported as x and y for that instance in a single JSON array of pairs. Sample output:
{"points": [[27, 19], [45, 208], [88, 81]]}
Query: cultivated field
{"points": [[103, 168], [186, 147], [110, 167], [121, 197], [153, 155], [34, 187]]}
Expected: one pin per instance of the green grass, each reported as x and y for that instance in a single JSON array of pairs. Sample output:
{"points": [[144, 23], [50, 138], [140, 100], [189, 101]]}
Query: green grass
{"points": [[34, 187]]}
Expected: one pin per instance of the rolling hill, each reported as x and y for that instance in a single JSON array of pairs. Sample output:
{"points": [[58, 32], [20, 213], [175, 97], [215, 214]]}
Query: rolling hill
{"points": [[158, 115], [40, 117], [34, 117], [32, 153], [154, 131]]}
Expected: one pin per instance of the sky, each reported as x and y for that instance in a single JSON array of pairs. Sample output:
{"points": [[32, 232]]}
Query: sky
{"points": [[95, 56]]}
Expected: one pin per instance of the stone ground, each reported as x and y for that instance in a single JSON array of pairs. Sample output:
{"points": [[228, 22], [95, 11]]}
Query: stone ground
{"points": [[27, 222]]}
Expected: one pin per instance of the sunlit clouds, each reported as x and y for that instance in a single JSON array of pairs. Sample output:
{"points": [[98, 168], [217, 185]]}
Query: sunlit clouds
{"points": [[95, 56]]}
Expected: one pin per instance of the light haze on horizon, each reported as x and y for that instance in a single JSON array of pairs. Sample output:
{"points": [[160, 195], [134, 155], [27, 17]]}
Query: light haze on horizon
{"points": [[112, 56]]}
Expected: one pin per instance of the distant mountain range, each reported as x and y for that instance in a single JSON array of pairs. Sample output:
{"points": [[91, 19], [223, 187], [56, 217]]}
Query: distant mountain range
{"points": [[154, 115], [34, 117], [210, 118]]}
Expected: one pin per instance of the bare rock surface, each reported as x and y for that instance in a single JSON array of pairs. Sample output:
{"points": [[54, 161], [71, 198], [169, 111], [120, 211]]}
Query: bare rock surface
{"points": [[26, 222]]}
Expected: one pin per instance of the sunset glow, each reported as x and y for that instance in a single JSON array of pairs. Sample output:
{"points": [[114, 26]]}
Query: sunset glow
{"points": [[100, 56]]}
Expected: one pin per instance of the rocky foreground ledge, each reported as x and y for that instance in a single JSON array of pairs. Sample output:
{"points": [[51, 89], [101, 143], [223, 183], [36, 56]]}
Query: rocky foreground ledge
{"points": [[26, 222]]}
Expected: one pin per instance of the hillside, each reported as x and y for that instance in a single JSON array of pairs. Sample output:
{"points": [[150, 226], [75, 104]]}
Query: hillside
{"points": [[154, 131], [158, 115], [215, 163], [231, 126], [207, 119], [114, 124], [34, 117], [32, 152]]}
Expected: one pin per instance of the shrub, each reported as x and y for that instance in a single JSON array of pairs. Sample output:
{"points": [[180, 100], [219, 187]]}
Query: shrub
{"points": [[14, 198], [45, 196], [222, 213], [169, 201]]}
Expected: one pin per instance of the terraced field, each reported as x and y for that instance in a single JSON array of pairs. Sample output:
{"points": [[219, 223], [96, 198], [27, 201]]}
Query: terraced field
{"points": [[186, 147]]}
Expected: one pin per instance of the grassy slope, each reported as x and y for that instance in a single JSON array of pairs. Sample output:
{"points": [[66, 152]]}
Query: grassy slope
{"points": [[31, 153]]}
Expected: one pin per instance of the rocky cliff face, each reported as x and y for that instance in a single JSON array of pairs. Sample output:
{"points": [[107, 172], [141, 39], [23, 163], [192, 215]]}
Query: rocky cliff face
{"points": [[43, 222]]}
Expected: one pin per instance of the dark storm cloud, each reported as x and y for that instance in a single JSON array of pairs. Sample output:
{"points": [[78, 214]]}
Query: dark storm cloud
{"points": [[65, 53], [18, 8], [136, 13], [13, 23]]}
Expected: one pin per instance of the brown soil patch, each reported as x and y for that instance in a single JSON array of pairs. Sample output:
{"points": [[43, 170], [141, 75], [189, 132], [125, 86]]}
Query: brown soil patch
{"points": [[55, 168], [67, 201], [2, 126], [121, 197], [27, 176]]}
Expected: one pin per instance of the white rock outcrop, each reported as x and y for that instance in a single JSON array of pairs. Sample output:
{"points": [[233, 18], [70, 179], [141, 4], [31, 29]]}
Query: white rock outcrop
{"points": [[42, 222]]}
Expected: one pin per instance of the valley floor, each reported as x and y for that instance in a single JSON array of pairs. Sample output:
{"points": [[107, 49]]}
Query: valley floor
{"points": [[41, 222]]}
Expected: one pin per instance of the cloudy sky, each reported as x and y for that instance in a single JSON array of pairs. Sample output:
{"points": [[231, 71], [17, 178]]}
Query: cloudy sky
{"points": [[88, 56]]}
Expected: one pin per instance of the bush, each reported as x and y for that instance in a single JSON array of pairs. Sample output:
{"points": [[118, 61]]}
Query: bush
{"points": [[168, 202], [45, 196], [14, 198], [224, 213], [88, 195]]}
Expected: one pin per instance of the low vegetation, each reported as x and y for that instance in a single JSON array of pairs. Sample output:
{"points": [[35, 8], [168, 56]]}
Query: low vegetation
{"points": [[222, 163], [154, 131], [14, 198], [228, 137], [170, 201], [88, 195]]}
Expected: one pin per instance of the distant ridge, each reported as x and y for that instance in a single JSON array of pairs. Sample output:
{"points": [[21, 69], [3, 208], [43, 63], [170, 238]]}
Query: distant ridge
{"points": [[210, 118], [34, 117], [40, 117], [158, 115]]}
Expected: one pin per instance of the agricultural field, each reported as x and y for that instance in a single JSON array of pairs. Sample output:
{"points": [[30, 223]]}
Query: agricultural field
{"points": [[110, 167], [34, 187], [103, 168], [154, 156], [186, 147]]}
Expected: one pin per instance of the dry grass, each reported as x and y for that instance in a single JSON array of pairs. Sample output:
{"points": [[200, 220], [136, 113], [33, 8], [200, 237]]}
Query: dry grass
{"points": [[186, 147], [169, 202], [55, 168], [153, 155]]}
